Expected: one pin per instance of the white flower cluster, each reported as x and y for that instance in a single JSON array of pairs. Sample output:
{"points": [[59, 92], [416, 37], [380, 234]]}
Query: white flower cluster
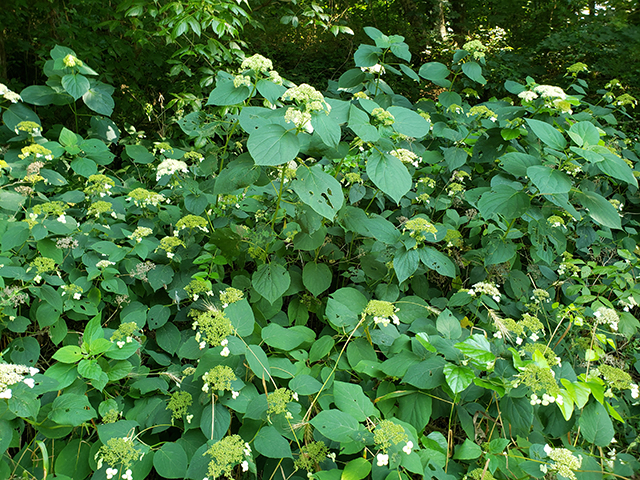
{"points": [[607, 316], [225, 351], [258, 63], [299, 119], [635, 390], [406, 156], [11, 374], [546, 399], [13, 97], [169, 167], [485, 288], [104, 263], [377, 68], [113, 472], [549, 91]]}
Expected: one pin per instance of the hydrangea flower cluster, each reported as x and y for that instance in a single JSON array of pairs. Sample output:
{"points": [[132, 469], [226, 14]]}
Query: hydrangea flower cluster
{"points": [[607, 316], [310, 455], [118, 451], [99, 185], [12, 96], [230, 295], [169, 244], [257, 63], [417, 227], [10, 374], [278, 400], [485, 288], [42, 265], [125, 333], [387, 433], [139, 233], [143, 198], [218, 378], [98, 208], [191, 222], [73, 290], [406, 156], [382, 116], [32, 128], [37, 151], [213, 327], [169, 167], [197, 286], [382, 312], [565, 463], [226, 454], [179, 403]]}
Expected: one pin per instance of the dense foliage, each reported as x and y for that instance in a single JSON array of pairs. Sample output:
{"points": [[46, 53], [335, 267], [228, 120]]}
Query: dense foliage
{"points": [[344, 284]]}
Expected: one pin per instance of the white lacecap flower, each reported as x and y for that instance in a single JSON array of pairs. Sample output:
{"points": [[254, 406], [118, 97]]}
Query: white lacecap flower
{"points": [[127, 475], [77, 296], [224, 342], [189, 418], [547, 449], [120, 344], [6, 394], [294, 395], [408, 448], [245, 466], [234, 394], [202, 344], [33, 371], [111, 472], [382, 459], [247, 449], [518, 340], [30, 382], [225, 352]]}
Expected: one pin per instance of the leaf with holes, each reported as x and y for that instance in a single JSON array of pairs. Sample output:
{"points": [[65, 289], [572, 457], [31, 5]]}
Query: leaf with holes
{"points": [[319, 190]]}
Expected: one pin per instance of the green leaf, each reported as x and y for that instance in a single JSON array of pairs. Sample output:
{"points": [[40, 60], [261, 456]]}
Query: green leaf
{"points": [[226, 94], [90, 369], [305, 384], [518, 413], [448, 325], [436, 72], [344, 307], [271, 281], [287, 339], [616, 167], [474, 72], [504, 200], [258, 361], [269, 90], [84, 167], [477, 348], [335, 425], [139, 154], [415, 409], [426, 375], [241, 316], [351, 78], [549, 181], [168, 338], [467, 451], [547, 134], [42, 95], [71, 409], [517, 163], [351, 399], [584, 134], [98, 98], [356, 469], [438, 261], [171, 461], [271, 444], [319, 190], [23, 402], [316, 277], [599, 209], [75, 84], [458, 377], [405, 263], [73, 460], [328, 129], [409, 123], [273, 145], [388, 174], [595, 425], [321, 348], [367, 55]]}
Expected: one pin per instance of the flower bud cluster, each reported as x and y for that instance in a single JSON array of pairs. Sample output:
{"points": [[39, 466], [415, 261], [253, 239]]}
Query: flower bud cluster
{"points": [[213, 327], [382, 312], [565, 463], [218, 378], [226, 454], [144, 198]]}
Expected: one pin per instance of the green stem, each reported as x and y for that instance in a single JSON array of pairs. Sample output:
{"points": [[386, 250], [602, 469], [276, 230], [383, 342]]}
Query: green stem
{"points": [[275, 214]]}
